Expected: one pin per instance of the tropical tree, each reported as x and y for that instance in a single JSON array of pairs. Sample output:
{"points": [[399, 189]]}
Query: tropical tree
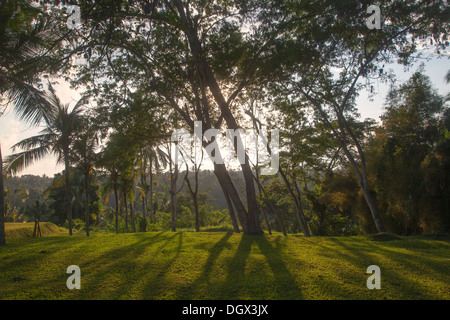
{"points": [[407, 157], [85, 157], [56, 138], [26, 40], [341, 55]]}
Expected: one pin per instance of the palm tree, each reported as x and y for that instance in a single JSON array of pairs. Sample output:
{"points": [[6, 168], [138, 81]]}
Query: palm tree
{"points": [[153, 157], [56, 138], [26, 40], [85, 156]]}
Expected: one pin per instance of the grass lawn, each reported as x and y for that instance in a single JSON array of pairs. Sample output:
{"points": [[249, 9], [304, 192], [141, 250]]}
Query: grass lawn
{"points": [[189, 265]]}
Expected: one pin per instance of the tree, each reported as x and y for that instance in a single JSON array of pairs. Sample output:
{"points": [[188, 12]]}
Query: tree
{"points": [[57, 138], [406, 156], [189, 71], [84, 150], [25, 47], [340, 55]]}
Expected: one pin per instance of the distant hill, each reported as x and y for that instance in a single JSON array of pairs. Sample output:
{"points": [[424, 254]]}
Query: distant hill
{"points": [[31, 184], [36, 185]]}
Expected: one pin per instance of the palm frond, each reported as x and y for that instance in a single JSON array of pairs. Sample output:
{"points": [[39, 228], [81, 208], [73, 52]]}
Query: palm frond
{"points": [[30, 104], [56, 183], [34, 142], [15, 163]]}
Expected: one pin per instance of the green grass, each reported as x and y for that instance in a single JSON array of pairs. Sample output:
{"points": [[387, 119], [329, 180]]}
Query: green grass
{"points": [[220, 265], [25, 230]]}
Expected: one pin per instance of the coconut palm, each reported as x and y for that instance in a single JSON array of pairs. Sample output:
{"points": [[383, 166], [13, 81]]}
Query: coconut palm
{"points": [[56, 138], [84, 148], [26, 39]]}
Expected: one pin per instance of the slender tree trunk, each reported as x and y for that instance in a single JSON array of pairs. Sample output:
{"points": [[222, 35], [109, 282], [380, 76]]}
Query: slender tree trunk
{"points": [[372, 207], [86, 208], [173, 193], [297, 203], [68, 191], [2, 204], [117, 207], [253, 223], [197, 217], [125, 203], [152, 213], [361, 174], [144, 197], [173, 208], [274, 210], [258, 183], [133, 224]]}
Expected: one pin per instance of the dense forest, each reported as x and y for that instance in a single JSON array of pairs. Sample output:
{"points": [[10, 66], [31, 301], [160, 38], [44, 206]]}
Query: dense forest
{"points": [[148, 70]]}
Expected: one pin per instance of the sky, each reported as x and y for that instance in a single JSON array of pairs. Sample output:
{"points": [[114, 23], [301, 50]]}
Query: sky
{"points": [[12, 130]]}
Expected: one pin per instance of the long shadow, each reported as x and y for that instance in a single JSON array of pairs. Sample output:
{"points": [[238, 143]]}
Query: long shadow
{"points": [[127, 261], [153, 286], [280, 284], [99, 268], [188, 291], [285, 283], [395, 278]]}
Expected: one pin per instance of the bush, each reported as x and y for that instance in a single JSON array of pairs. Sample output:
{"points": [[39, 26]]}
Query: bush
{"points": [[142, 224]]}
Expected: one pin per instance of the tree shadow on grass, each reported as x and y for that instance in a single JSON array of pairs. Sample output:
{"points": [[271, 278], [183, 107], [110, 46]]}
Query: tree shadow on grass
{"points": [[248, 277], [191, 291], [396, 268], [110, 274], [132, 273]]}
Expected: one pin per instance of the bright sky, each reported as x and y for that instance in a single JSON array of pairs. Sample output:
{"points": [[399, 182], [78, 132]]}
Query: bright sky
{"points": [[12, 130]]}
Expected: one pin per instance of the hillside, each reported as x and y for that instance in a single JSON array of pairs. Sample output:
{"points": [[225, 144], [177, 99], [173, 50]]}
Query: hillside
{"points": [[25, 230]]}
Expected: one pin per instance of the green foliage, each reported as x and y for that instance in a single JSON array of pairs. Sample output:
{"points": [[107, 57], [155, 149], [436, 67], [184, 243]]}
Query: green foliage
{"points": [[142, 224], [410, 160], [57, 195]]}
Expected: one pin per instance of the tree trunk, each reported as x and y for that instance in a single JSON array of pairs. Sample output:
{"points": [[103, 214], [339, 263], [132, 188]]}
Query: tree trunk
{"points": [[151, 188], [361, 175], [68, 191], [197, 217], [117, 207], [173, 208], [250, 216], [373, 208], [232, 214], [230, 192], [86, 215], [297, 203], [144, 197], [258, 183], [125, 203], [133, 224], [274, 210], [2, 204]]}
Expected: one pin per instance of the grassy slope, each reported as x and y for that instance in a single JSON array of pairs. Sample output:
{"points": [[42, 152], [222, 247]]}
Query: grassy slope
{"points": [[24, 230], [185, 265]]}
